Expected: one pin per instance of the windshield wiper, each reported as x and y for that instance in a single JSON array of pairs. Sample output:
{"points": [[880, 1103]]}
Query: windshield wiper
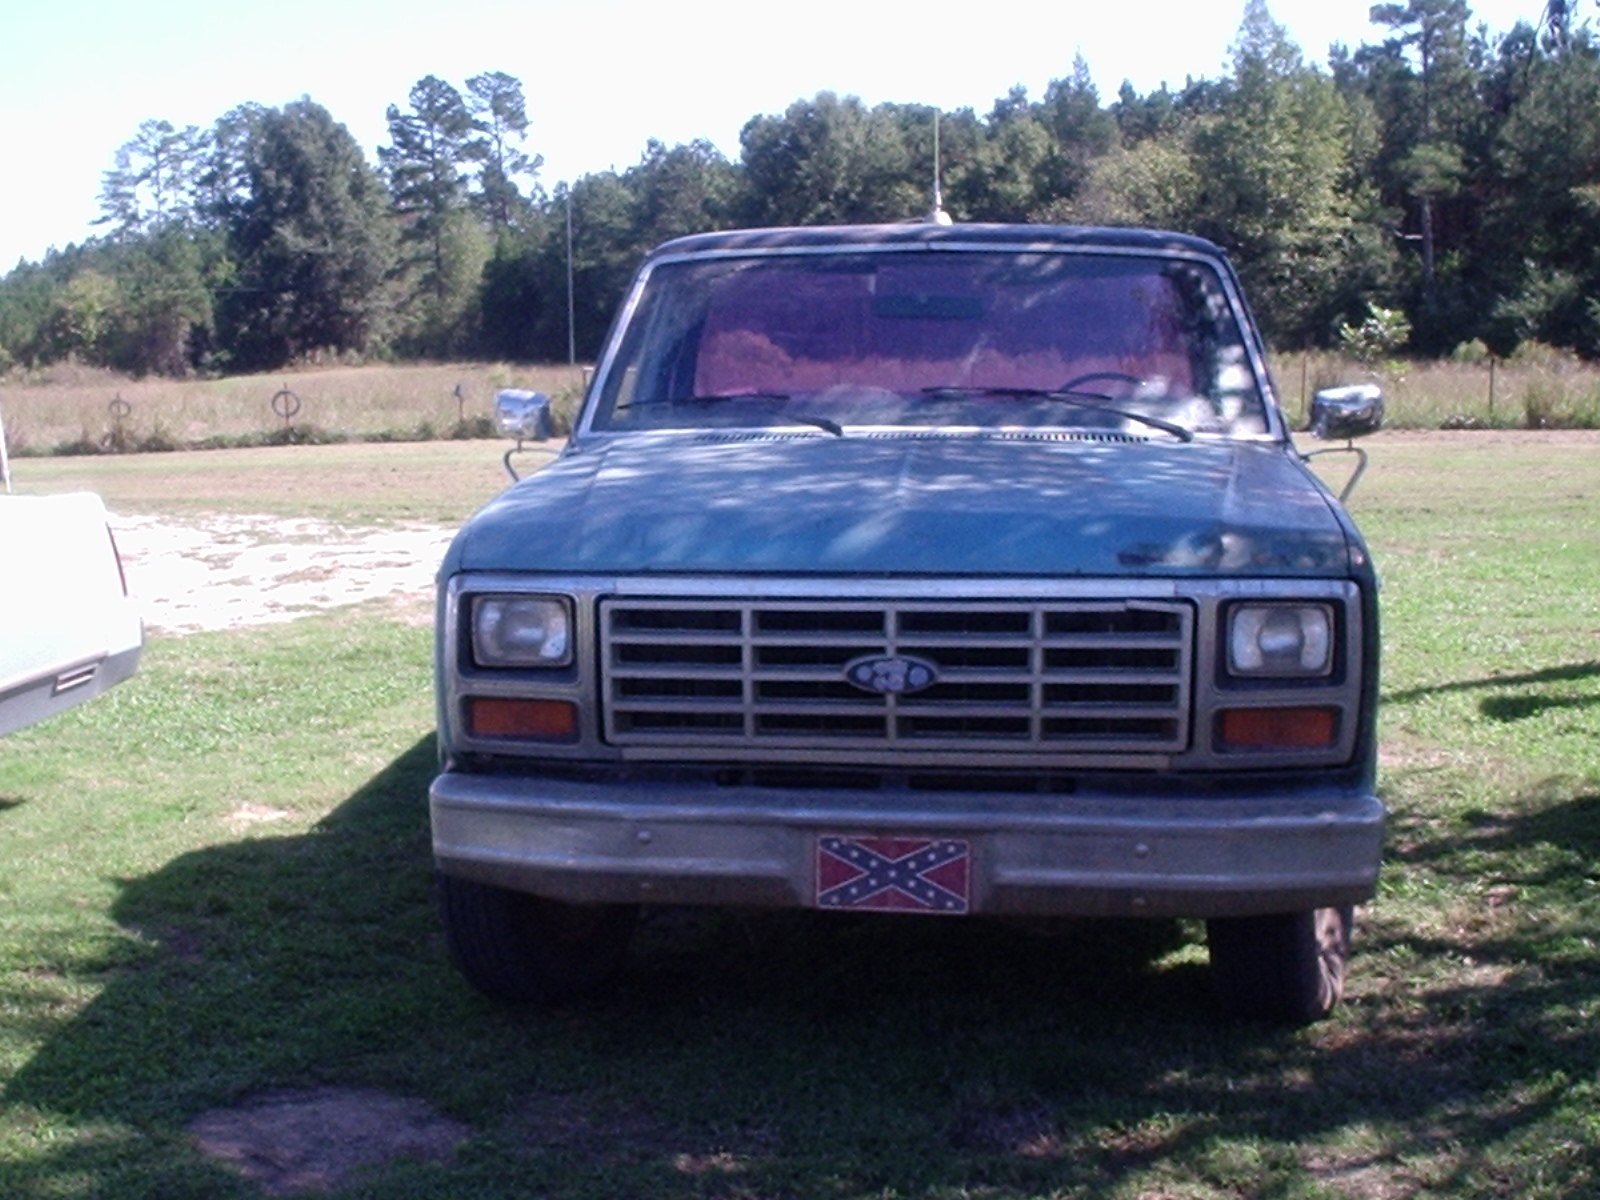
{"points": [[713, 398], [700, 401], [1093, 401]]}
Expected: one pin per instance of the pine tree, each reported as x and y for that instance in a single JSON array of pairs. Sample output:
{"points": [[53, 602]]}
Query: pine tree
{"points": [[155, 179], [500, 116], [427, 168]]}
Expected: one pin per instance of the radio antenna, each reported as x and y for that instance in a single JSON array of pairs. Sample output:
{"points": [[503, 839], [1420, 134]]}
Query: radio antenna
{"points": [[938, 216]]}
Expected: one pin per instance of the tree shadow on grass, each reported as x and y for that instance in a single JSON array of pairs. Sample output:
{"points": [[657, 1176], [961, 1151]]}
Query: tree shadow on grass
{"points": [[1511, 708], [1520, 708], [1555, 824], [1506, 979], [789, 1053]]}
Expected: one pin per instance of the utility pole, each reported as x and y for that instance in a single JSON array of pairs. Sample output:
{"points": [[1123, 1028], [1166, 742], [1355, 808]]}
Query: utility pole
{"points": [[572, 334]]}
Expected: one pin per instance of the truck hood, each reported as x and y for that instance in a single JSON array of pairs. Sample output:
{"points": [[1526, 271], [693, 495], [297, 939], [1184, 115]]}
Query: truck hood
{"points": [[923, 505]]}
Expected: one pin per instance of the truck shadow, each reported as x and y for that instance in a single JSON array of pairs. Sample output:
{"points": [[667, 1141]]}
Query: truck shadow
{"points": [[757, 1053]]}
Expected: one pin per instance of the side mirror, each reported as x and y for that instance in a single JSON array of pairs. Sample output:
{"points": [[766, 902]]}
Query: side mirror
{"points": [[523, 415], [1342, 413]]}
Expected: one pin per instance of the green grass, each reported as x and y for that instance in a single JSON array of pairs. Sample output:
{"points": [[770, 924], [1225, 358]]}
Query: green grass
{"points": [[215, 883], [358, 483]]}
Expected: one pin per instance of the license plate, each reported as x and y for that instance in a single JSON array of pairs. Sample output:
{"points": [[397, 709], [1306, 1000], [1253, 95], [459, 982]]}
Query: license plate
{"points": [[895, 874]]}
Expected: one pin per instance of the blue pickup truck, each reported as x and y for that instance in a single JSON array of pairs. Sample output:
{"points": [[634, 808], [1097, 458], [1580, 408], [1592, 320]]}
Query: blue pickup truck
{"points": [[916, 569]]}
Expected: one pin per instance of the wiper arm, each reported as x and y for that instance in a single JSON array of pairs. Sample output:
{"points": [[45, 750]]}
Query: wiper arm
{"points": [[1093, 401], [825, 423]]}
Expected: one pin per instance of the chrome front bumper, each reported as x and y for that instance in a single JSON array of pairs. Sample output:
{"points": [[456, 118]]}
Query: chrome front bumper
{"points": [[1082, 855]]}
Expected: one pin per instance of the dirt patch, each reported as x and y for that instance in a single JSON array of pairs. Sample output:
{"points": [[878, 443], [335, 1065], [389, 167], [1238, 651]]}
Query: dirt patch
{"points": [[1025, 1132], [603, 1132], [318, 1140], [581, 1127], [248, 815], [228, 571], [1363, 1177]]}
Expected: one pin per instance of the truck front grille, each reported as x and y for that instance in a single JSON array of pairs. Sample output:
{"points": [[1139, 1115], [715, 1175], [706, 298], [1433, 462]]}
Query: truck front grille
{"points": [[1059, 677]]}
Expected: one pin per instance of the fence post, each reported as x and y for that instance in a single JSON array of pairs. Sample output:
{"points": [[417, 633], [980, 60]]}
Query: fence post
{"points": [[1492, 361], [1305, 376]]}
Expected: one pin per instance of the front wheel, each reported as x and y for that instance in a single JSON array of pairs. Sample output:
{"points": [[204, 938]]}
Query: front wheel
{"points": [[1285, 968], [516, 947]]}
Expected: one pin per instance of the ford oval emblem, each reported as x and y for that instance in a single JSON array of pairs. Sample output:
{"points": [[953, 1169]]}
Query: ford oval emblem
{"points": [[891, 674]]}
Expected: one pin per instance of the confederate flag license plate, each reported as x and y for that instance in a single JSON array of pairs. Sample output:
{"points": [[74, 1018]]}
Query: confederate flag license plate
{"points": [[894, 874]]}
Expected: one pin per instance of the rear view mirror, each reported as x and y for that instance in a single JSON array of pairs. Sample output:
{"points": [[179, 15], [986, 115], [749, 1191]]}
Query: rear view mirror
{"points": [[1342, 413]]}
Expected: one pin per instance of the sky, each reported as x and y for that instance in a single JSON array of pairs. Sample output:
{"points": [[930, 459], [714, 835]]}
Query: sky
{"points": [[601, 78]]}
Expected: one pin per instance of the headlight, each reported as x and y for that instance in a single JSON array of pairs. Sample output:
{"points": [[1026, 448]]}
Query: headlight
{"points": [[521, 631], [1280, 639]]}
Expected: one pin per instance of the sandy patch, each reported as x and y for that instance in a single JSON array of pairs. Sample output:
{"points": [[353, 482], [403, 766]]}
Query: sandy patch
{"points": [[227, 571]]}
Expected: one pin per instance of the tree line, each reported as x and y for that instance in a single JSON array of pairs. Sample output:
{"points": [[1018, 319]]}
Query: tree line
{"points": [[1440, 175]]}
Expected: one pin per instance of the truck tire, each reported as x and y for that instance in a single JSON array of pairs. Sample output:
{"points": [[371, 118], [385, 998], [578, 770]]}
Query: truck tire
{"points": [[1282, 968], [520, 948]]}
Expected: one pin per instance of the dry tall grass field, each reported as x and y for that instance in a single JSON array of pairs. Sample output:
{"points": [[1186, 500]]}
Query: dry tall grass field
{"points": [[72, 409], [1540, 388], [83, 408]]}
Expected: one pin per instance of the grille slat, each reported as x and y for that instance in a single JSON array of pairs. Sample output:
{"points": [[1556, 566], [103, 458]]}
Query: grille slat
{"points": [[714, 673]]}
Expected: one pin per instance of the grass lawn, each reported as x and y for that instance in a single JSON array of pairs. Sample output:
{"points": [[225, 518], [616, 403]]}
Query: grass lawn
{"points": [[215, 885], [358, 483]]}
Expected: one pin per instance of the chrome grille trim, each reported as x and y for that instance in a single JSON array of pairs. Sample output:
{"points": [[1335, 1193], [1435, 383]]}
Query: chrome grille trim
{"points": [[1093, 676]]}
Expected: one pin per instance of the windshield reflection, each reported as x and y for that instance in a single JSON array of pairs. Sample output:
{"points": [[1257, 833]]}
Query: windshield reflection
{"points": [[920, 339]]}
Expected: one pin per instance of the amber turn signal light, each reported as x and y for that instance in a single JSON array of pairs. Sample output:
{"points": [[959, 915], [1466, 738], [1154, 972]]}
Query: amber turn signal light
{"points": [[535, 720], [1277, 728]]}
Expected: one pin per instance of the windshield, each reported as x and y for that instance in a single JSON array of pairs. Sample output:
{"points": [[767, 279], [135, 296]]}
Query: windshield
{"points": [[993, 340]]}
